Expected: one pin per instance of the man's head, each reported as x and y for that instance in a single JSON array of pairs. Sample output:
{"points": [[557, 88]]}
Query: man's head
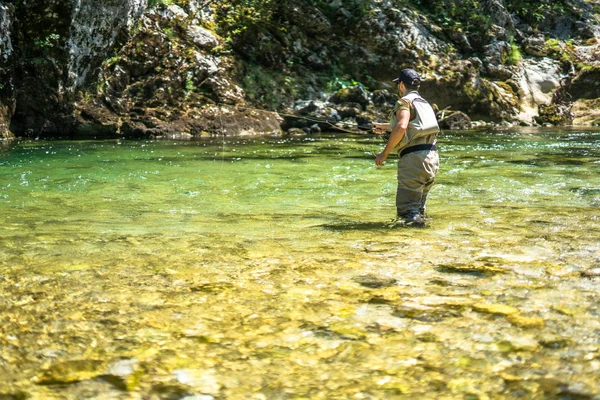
{"points": [[409, 78]]}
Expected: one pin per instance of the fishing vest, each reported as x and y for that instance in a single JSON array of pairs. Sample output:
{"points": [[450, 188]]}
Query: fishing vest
{"points": [[422, 128]]}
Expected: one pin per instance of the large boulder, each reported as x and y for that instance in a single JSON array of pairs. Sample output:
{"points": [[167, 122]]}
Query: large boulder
{"points": [[537, 80], [585, 89]]}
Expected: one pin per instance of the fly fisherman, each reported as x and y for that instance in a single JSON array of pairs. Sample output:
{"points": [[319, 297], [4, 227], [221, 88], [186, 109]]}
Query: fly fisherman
{"points": [[413, 134]]}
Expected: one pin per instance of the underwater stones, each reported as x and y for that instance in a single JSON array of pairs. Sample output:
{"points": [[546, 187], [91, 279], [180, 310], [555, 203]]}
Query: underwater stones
{"points": [[495, 309], [549, 341], [517, 344], [591, 273], [471, 269], [203, 381], [423, 313], [448, 301], [70, 372], [123, 374], [526, 322], [374, 281], [16, 395]]}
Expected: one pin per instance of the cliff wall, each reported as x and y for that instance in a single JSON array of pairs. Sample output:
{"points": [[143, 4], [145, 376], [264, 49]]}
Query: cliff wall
{"points": [[80, 68]]}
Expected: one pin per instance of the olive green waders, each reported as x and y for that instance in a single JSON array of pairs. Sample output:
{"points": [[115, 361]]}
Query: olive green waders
{"points": [[416, 173]]}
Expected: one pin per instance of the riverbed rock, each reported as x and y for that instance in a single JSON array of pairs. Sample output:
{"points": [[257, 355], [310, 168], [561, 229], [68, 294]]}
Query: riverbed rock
{"points": [[71, 371], [374, 281], [495, 309], [526, 322], [471, 269], [456, 120], [124, 374], [518, 344]]}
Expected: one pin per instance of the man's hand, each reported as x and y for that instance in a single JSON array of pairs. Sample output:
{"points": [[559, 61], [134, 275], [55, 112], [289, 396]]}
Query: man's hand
{"points": [[380, 128], [381, 157]]}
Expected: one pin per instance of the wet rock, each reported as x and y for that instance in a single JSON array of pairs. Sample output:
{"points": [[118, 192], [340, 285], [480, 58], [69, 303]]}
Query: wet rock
{"points": [[423, 313], [554, 341], [353, 94], [170, 391], [374, 281], [16, 395], [203, 381], [456, 120], [586, 112], [591, 273], [555, 388], [296, 132], [123, 374], [71, 372], [447, 301], [495, 309], [554, 115], [526, 322], [517, 344], [349, 110], [383, 97], [471, 269], [315, 128]]}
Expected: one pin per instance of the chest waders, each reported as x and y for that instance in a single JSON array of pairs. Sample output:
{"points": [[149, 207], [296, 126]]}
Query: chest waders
{"points": [[418, 161]]}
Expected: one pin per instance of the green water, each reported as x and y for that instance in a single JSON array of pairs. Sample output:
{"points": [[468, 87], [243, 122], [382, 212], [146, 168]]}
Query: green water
{"points": [[266, 269]]}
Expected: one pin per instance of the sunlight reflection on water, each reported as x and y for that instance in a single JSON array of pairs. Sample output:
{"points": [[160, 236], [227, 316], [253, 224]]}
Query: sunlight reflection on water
{"points": [[268, 267]]}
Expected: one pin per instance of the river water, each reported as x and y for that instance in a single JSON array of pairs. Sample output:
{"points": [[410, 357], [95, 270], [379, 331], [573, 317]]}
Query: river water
{"points": [[267, 268]]}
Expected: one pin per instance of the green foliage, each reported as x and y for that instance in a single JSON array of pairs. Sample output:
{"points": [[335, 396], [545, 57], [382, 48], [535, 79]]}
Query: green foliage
{"points": [[562, 51], [513, 55], [48, 41], [268, 88], [534, 12], [466, 15], [337, 84], [152, 3], [170, 33], [189, 87]]}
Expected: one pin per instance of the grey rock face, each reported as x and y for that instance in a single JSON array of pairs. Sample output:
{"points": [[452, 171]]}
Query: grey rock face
{"points": [[94, 29], [7, 100]]}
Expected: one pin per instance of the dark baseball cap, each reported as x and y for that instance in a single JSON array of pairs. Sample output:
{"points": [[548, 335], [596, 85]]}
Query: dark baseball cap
{"points": [[409, 77]]}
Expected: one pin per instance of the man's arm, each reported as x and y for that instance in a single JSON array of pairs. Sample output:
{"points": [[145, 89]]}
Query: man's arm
{"points": [[395, 137]]}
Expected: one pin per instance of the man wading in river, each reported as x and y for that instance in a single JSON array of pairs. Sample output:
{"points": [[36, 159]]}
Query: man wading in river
{"points": [[414, 128]]}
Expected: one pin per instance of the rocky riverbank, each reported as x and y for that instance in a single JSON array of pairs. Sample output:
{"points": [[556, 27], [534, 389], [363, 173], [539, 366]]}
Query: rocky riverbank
{"points": [[188, 68]]}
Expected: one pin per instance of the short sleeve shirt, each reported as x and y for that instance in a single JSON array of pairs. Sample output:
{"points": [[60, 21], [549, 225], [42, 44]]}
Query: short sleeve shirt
{"points": [[401, 104]]}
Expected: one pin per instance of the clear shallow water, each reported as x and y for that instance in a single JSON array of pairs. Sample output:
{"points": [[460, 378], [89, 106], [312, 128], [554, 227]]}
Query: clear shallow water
{"points": [[266, 269]]}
